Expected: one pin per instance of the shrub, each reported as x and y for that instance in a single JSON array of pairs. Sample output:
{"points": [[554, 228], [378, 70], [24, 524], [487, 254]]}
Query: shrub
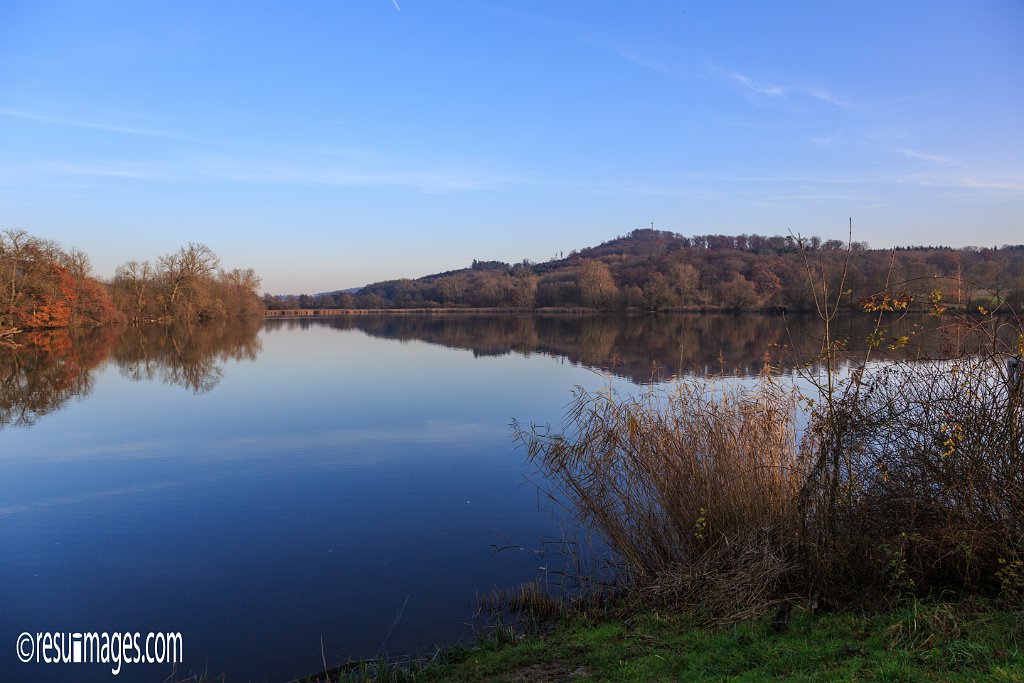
{"points": [[695, 490], [908, 478]]}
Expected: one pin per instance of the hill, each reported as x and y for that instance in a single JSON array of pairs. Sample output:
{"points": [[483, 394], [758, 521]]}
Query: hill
{"points": [[655, 270]]}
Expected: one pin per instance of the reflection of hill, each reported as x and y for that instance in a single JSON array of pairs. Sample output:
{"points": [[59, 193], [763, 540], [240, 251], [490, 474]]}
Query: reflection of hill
{"points": [[635, 347], [49, 368]]}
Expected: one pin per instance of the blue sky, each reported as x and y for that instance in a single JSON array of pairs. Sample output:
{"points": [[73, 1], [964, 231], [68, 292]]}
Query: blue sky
{"points": [[330, 144]]}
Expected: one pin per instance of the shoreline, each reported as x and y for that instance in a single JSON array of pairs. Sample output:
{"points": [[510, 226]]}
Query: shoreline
{"points": [[343, 312], [962, 639]]}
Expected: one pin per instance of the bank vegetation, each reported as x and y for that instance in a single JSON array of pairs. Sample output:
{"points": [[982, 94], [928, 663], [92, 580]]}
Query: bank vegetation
{"points": [[44, 286], [873, 478]]}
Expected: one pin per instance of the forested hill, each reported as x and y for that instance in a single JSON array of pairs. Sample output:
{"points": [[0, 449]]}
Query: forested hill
{"points": [[659, 270]]}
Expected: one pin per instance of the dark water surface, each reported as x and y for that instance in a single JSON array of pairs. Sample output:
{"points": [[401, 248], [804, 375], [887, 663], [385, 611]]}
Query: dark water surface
{"points": [[260, 487]]}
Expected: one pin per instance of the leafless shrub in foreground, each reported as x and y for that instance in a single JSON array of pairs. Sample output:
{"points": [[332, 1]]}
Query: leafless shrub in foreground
{"points": [[696, 489]]}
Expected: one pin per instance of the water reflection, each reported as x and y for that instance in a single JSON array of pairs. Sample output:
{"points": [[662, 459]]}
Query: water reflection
{"points": [[49, 368], [641, 349], [190, 356], [285, 514]]}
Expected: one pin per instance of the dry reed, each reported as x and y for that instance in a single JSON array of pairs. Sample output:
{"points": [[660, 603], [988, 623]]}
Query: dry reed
{"points": [[695, 489], [907, 479]]}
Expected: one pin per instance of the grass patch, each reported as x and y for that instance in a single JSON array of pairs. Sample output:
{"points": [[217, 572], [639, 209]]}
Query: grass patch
{"points": [[967, 641]]}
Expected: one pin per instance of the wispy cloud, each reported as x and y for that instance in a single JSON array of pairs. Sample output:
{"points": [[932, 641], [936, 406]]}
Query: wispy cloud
{"points": [[270, 147], [825, 141], [105, 127], [1005, 183], [825, 96], [1012, 185], [774, 200], [636, 57], [968, 178], [426, 179], [922, 156], [756, 88], [933, 170], [677, 191], [859, 187], [125, 170], [763, 90], [431, 180], [880, 141], [639, 60], [365, 168]]}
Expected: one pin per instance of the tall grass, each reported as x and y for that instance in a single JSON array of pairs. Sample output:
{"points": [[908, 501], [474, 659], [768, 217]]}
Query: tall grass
{"points": [[907, 479], [695, 489]]}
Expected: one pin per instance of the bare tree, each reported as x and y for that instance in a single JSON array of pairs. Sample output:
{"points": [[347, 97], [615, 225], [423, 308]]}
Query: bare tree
{"points": [[597, 287], [77, 263], [134, 283], [185, 277]]}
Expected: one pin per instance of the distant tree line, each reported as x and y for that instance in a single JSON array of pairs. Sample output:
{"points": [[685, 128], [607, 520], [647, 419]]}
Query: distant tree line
{"points": [[656, 270], [44, 286]]}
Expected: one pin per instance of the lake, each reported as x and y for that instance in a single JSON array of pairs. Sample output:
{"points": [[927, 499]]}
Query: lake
{"points": [[263, 487]]}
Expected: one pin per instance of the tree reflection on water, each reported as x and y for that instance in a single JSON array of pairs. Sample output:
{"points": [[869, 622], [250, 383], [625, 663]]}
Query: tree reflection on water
{"points": [[643, 348], [190, 356], [50, 367]]}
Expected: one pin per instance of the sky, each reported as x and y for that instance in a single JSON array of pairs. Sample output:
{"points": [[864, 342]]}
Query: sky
{"points": [[332, 144]]}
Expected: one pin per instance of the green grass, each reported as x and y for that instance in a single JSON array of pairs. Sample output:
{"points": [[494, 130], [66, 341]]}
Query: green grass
{"points": [[922, 642]]}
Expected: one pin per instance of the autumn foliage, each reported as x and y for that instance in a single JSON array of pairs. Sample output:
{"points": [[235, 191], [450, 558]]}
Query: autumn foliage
{"points": [[654, 270], [45, 287]]}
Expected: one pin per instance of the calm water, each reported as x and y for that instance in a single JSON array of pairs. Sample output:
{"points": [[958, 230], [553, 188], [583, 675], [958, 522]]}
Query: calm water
{"points": [[259, 487]]}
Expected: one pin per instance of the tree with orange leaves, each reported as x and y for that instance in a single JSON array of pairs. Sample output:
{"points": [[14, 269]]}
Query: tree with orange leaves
{"points": [[46, 287]]}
